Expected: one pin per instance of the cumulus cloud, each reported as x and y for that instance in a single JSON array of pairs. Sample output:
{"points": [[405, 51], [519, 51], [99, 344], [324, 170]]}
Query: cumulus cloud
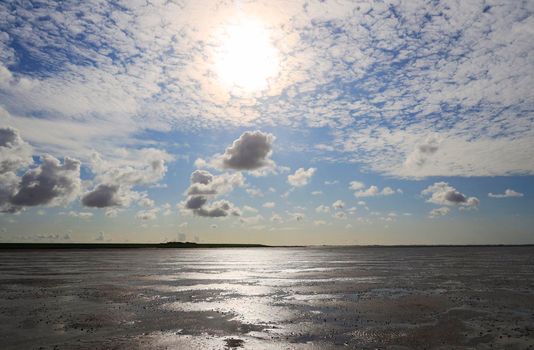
{"points": [[205, 186], [373, 191], [150, 214], [218, 209], [442, 193], [339, 204], [507, 194], [203, 183], [340, 215], [269, 205], [116, 178], [356, 185], [14, 152], [251, 151], [437, 212], [51, 183], [301, 177], [322, 209], [102, 196], [276, 218]]}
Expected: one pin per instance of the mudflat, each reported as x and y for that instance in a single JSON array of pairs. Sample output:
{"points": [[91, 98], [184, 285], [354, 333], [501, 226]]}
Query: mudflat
{"points": [[268, 298]]}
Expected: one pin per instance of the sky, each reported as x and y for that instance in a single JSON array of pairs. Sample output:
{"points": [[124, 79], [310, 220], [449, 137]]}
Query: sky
{"points": [[275, 122]]}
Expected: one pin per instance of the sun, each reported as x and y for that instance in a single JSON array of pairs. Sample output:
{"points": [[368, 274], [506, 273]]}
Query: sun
{"points": [[245, 59]]}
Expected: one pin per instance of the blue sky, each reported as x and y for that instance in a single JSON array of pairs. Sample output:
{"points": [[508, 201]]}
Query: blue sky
{"points": [[397, 122]]}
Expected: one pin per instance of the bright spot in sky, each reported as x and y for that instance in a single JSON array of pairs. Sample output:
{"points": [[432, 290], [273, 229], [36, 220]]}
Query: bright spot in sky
{"points": [[246, 58]]}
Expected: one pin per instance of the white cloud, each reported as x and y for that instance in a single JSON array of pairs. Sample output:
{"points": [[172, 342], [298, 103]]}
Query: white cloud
{"points": [[356, 185], [507, 194], [150, 214], [339, 204], [322, 209], [276, 218], [317, 193], [340, 215], [442, 211], [301, 177], [250, 209], [269, 205], [442, 193], [373, 191]]}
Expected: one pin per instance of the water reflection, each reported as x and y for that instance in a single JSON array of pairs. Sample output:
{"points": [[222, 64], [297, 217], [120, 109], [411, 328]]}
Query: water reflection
{"points": [[268, 298]]}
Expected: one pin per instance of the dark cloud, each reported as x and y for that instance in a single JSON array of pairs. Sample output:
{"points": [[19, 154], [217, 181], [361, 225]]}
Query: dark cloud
{"points": [[218, 209], [51, 183], [250, 151], [201, 176], [195, 202], [102, 196]]}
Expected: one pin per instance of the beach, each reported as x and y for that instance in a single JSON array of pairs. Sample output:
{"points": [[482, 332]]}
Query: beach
{"points": [[268, 298]]}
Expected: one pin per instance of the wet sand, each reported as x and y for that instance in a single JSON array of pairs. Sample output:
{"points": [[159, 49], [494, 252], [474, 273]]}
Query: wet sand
{"points": [[268, 298]]}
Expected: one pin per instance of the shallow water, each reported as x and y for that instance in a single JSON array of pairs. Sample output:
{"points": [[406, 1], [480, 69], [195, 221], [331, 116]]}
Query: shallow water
{"points": [[268, 298]]}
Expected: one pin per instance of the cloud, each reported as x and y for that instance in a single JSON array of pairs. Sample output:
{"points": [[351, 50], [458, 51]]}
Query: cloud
{"points": [[340, 215], [276, 218], [254, 192], [78, 214], [150, 214], [14, 152], [373, 191], [297, 216], [218, 209], [339, 204], [356, 185], [422, 153], [317, 193], [102, 196], [116, 179], [250, 209], [319, 222], [206, 184], [301, 177], [507, 194], [322, 209], [442, 193], [100, 236], [437, 212], [51, 183], [269, 205], [251, 151]]}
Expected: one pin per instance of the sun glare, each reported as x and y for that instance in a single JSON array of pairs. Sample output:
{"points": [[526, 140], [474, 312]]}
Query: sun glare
{"points": [[246, 58]]}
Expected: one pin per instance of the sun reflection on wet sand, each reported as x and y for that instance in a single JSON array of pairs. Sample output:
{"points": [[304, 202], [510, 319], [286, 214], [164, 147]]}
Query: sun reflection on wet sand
{"points": [[294, 298]]}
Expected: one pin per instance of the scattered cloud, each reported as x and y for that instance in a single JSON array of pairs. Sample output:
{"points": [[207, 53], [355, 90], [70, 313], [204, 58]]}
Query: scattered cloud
{"points": [[437, 212], [373, 191], [507, 194], [301, 177], [339, 204], [250, 152], [442, 193], [269, 205]]}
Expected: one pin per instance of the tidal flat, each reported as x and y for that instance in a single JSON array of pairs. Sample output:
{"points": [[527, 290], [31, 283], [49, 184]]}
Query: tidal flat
{"points": [[268, 298]]}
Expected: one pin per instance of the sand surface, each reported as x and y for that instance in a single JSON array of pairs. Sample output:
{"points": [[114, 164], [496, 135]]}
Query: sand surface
{"points": [[268, 298]]}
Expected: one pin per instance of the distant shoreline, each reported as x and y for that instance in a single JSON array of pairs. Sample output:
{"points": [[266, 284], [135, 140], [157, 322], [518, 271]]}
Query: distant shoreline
{"points": [[189, 245]]}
